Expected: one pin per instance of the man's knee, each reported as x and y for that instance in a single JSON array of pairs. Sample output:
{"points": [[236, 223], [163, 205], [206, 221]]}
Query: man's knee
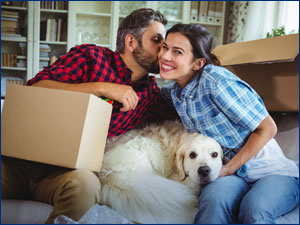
{"points": [[82, 183], [79, 191]]}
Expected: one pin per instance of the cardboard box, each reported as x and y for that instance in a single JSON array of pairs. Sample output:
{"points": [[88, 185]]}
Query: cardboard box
{"points": [[270, 66], [57, 127]]}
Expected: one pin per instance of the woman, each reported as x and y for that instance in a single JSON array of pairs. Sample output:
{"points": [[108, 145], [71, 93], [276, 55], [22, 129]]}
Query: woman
{"points": [[258, 183]]}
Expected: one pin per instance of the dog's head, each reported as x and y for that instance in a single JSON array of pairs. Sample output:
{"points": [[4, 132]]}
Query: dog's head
{"points": [[199, 157]]}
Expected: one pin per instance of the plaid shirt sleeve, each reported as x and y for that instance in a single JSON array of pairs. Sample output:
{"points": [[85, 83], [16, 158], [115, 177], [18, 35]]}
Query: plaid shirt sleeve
{"points": [[77, 66], [241, 104]]}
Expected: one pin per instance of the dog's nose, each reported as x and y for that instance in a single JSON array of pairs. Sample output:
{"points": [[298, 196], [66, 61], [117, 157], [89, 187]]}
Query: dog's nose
{"points": [[204, 171]]}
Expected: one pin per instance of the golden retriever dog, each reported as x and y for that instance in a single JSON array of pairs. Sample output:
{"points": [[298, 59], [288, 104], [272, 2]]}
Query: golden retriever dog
{"points": [[154, 174]]}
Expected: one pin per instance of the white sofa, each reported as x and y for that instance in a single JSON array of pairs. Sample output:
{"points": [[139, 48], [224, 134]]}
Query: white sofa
{"points": [[20, 211]]}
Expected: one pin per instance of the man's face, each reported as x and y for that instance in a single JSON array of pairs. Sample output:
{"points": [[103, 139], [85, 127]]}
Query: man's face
{"points": [[146, 54]]}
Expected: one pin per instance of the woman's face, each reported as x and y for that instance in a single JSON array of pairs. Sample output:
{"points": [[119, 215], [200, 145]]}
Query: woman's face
{"points": [[176, 59]]}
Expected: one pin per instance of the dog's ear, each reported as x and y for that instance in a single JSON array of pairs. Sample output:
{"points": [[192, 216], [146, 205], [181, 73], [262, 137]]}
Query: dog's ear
{"points": [[179, 164]]}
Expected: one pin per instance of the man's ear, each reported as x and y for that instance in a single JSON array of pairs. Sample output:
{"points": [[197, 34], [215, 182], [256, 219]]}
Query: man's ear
{"points": [[199, 63], [130, 42]]}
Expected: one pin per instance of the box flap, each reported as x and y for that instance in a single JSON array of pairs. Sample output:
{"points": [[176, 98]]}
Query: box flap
{"points": [[94, 134], [282, 48]]}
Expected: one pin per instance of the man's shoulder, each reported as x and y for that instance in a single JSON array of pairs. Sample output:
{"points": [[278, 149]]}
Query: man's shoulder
{"points": [[91, 49]]}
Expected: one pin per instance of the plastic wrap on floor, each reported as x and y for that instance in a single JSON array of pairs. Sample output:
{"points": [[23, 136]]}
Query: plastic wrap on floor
{"points": [[95, 215]]}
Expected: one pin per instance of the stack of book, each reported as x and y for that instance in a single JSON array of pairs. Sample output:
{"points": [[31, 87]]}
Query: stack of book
{"points": [[45, 50], [21, 61], [10, 23]]}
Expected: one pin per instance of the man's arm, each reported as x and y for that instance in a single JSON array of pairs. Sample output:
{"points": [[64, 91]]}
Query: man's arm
{"points": [[119, 92]]}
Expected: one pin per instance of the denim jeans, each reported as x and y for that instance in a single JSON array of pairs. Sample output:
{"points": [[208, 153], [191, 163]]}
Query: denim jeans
{"points": [[231, 199]]}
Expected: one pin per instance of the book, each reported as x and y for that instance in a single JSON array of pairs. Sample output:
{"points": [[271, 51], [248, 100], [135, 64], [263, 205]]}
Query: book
{"points": [[43, 30], [59, 27], [48, 29]]}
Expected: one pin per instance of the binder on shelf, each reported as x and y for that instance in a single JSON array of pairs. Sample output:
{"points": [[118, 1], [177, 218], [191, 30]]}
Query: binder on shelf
{"points": [[211, 12], [218, 12], [194, 10], [203, 8]]}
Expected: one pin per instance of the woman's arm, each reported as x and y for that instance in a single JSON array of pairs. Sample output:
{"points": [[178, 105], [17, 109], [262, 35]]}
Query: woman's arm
{"points": [[121, 93], [257, 139]]}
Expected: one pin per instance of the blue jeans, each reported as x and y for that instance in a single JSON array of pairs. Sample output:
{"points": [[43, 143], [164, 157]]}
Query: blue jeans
{"points": [[231, 199]]}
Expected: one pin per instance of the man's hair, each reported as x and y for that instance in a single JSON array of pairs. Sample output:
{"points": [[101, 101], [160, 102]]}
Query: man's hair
{"points": [[136, 24]]}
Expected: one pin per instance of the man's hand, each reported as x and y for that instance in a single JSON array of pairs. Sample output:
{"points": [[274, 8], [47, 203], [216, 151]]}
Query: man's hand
{"points": [[121, 93]]}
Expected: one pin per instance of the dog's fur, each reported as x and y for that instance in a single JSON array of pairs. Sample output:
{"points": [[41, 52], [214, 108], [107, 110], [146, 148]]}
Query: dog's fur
{"points": [[154, 174]]}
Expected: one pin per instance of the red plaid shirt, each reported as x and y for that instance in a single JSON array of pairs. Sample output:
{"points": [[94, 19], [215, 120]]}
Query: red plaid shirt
{"points": [[89, 63]]}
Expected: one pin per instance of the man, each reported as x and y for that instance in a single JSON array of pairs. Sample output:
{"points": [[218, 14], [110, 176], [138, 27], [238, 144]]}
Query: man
{"points": [[121, 76]]}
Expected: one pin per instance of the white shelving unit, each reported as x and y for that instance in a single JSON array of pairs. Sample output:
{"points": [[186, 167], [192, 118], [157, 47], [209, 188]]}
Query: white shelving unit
{"points": [[93, 22], [10, 44], [58, 47], [97, 22], [27, 46]]}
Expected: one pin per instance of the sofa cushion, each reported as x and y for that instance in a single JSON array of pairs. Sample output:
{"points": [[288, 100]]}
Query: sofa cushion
{"points": [[24, 212]]}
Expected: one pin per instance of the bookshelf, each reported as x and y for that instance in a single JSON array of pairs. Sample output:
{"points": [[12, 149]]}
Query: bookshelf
{"points": [[51, 38], [36, 37], [15, 31]]}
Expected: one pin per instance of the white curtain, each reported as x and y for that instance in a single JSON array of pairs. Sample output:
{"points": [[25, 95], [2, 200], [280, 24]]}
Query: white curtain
{"points": [[263, 16]]}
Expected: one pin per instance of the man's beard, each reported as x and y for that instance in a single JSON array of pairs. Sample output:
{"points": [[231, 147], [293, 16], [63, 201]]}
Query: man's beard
{"points": [[145, 60]]}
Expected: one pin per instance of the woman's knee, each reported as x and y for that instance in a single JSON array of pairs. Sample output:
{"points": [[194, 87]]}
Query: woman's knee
{"points": [[268, 198], [254, 212]]}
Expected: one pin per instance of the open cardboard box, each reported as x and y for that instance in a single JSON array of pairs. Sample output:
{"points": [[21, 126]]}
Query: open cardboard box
{"points": [[270, 66], [56, 127]]}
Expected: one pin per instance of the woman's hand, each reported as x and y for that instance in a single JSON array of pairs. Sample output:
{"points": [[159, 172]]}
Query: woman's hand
{"points": [[225, 171]]}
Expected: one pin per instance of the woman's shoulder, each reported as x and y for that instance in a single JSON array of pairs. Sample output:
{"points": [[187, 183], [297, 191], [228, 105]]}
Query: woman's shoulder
{"points": [[215, 73]]}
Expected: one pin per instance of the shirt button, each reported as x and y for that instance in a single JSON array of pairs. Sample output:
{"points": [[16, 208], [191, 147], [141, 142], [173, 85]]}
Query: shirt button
{"points": [[191, 96]]}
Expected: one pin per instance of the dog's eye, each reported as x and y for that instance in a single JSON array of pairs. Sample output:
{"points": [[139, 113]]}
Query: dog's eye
{"points": [[193, 155], [214, 155]]}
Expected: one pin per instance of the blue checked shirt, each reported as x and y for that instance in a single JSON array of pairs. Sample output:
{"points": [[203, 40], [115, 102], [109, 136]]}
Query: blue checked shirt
{"points": [[218, 104]]}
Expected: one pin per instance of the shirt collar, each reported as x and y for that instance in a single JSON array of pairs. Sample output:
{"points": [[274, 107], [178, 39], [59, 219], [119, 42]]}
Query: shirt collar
{"points": [[189, 90], [123, 70], [125, 73]]}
